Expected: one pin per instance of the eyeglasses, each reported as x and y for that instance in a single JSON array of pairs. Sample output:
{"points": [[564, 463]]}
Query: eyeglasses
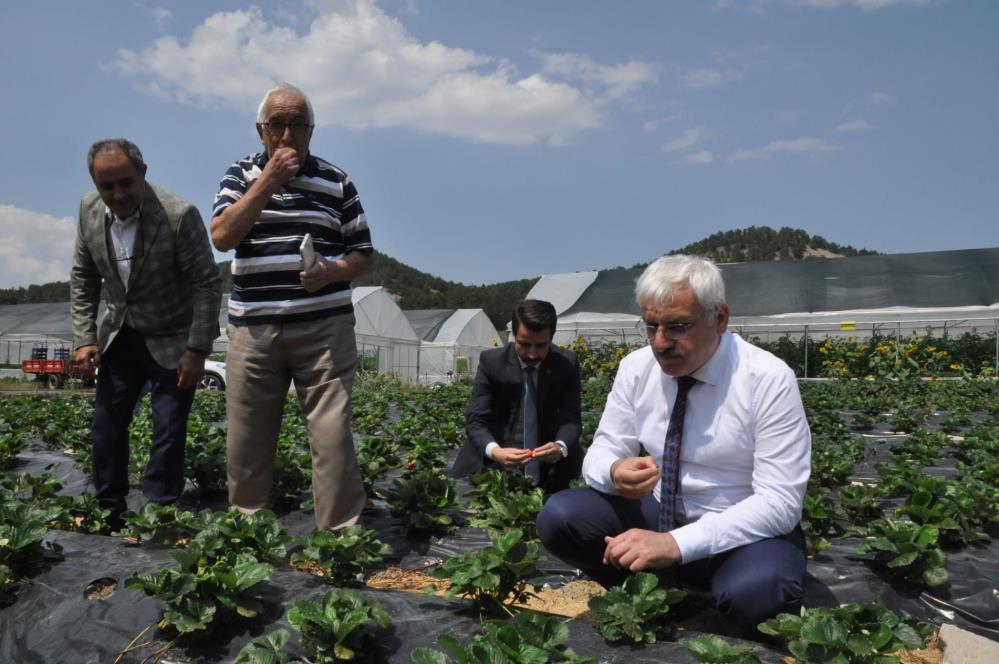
{"points": [[277, 129], [675, 330]]}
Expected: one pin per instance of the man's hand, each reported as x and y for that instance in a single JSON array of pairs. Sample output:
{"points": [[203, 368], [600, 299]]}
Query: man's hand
{"points": [[281, 166], [89, 355], [321, 273], [635, 477], [548, 453], [636, 550], [511, 457], [190, 369]]}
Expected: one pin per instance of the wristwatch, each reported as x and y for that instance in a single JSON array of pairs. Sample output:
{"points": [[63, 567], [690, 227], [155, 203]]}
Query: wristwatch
{"points": [[562, 446]]}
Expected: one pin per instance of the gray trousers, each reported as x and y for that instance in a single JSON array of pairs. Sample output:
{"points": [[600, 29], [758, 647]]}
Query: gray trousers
{"points": [[321, 357]]}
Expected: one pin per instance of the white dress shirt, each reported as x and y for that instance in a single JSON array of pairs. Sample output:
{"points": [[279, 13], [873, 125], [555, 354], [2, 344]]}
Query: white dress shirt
{"points": [[122, 233], [745, 457]]}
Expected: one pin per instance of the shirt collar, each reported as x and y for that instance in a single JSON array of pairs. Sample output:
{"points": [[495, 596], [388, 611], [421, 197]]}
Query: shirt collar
{"points": [[112, 217], [712, 371]]}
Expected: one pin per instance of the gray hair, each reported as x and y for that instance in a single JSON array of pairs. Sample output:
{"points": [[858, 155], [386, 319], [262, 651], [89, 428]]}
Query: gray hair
{"points": [[284, 88], [130, 150], [655, 287]]}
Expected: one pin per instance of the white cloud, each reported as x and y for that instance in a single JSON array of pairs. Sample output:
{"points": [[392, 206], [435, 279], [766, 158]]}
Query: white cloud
{"points": [[804, 145], [712, 77], [855, 125], [866, 5], [701, 157], [879, 98], [689, 138], [37, 247], [759, 6], [161, 16], [363, 69], [615, 81]]}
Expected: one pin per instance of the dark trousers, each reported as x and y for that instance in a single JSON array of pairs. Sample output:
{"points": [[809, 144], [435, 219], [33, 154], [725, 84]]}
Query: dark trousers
{"points": [[125, 368], [748, 584]]}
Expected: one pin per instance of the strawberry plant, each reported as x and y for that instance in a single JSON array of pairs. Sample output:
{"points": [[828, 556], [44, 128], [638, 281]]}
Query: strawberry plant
{"points": [[335, 629], [861, 501], [957, 509], [862, 422], [529, 638], [343, 556], [260, 534], [426, 502], [515, 510], [636, 610], [375, 456], [821, 518], [906, 550], [852, 633], [209, 585], [204, 457], [711, 649], [958, 419], [11, 442], [494, 575], [920, 447], [160, 524], [494, 482], [23, 548], [292, 464], [266, 649]]}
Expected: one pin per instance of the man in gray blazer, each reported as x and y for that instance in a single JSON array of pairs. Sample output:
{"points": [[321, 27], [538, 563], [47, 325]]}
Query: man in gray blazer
{"points": [[149, 250]]}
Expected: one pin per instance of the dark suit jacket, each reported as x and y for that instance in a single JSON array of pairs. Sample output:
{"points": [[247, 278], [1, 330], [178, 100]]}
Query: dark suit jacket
{"points": [[174, 289], [494, 412]]}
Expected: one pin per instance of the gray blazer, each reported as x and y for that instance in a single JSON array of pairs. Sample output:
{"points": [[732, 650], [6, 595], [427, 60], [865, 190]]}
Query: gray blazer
{"points": [[174, 290]]}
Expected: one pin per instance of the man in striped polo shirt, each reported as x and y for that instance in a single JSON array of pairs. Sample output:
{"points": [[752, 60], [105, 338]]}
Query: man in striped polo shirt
{"points": [[289, 323]]}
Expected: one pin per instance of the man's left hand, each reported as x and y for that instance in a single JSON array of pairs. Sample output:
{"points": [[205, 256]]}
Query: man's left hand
{"points": [[636, 550], [321, 273], [548, 453], [190, 369]]}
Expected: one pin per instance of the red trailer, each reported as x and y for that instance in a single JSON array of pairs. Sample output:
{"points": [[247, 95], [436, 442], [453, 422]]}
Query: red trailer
{"points": [[55, 373]]}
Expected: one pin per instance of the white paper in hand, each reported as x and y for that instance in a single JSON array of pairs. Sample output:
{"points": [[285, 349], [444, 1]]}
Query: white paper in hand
{"points": [[307, 252]]}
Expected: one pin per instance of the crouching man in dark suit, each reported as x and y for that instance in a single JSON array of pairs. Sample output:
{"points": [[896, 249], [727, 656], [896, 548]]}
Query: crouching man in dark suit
{"points": [[524, 412]]}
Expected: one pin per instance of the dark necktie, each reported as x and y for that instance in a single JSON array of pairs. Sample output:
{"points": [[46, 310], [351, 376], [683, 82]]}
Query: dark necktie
{"points": [[533, 468], [670, 483]]}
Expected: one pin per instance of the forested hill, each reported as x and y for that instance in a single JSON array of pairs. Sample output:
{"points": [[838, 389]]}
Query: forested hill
{"points": [[413, 289], [762, 243]]}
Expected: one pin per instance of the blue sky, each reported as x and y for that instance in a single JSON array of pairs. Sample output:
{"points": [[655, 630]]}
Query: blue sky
{"points": [[503, 140]]}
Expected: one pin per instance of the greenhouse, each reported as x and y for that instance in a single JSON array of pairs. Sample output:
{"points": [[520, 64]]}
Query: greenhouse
{"points": [[950, 292], [451, 342]]}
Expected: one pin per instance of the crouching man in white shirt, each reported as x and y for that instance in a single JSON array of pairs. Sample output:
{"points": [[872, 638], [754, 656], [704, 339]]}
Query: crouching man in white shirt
{"points": [[698, 469]]}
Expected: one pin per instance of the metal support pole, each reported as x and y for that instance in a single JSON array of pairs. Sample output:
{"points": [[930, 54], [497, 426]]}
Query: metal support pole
{"points": [[805, 339]]}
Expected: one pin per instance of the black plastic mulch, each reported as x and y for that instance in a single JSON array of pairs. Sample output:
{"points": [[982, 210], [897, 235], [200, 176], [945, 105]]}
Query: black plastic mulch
{"points": [[52, 620]]}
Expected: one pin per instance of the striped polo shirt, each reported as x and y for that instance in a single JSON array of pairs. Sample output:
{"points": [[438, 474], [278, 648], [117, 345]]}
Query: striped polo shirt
{"points": [[320, 200]]}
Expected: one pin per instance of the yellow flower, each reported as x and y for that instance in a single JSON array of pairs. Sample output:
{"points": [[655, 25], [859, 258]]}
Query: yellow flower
{"points": [[955, 366]]}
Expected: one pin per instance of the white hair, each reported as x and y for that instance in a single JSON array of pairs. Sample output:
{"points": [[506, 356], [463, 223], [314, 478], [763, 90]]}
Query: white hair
{"points": [[284, 88], [655, 287]]}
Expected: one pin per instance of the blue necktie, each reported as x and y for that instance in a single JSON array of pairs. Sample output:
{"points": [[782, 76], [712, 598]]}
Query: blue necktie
{"points": [[670, 483], [533, 468]]}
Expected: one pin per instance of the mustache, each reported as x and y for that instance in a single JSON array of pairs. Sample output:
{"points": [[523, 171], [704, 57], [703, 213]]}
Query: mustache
{"points": [[669, 353]]}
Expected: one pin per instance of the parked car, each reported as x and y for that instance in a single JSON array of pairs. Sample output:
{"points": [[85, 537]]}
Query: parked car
{"points": [[214, 378]]}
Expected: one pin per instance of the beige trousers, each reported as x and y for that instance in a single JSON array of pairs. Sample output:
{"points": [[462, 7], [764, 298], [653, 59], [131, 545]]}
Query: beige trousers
{"points": [[262, 360]]}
